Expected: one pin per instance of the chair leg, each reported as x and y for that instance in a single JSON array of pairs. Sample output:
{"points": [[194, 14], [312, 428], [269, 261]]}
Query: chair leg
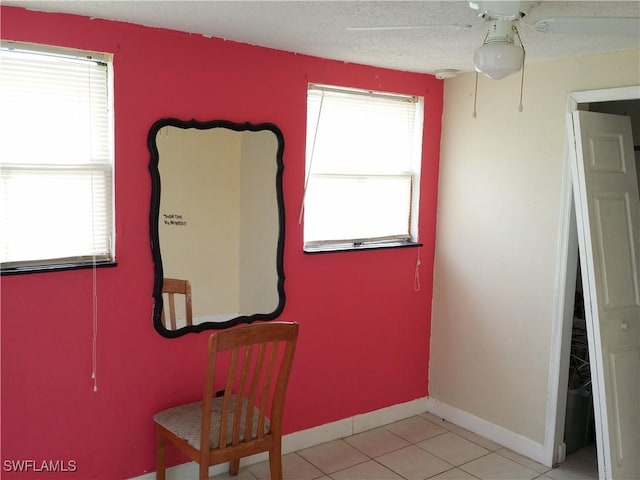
{"points": [[161, 447], [203, 471], [275, 461], [234, 467]]}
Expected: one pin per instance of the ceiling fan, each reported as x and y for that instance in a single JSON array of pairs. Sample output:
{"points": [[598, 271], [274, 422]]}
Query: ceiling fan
{"points": [[499, 56]]}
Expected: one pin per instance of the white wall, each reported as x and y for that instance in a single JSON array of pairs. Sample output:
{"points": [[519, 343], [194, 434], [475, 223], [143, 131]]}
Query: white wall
{"points": [[498, 231]]}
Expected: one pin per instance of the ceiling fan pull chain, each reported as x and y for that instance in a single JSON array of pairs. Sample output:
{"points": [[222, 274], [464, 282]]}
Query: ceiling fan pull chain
{"points": [[475, 90], [521, 89], [475, 98], [524, 55]]}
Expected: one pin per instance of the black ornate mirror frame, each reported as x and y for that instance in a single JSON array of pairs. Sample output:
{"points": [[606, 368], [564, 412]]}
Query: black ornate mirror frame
{"points": [[155, 212]]}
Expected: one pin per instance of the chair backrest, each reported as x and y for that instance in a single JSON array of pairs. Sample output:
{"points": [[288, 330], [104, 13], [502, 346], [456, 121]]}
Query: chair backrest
{"points": [[257, 359], [171, 287]]}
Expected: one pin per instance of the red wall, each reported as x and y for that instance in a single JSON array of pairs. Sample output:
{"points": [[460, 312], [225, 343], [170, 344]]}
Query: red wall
{"points": [[364, 340]]}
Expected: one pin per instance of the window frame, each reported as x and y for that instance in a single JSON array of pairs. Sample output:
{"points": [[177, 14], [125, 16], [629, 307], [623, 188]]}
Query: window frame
{"points": [[412, 239], [80, 261]]}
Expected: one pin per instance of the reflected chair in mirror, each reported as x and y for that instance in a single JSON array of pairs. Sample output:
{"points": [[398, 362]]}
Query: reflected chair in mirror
{"points": [[172, 287], [251, 364]]}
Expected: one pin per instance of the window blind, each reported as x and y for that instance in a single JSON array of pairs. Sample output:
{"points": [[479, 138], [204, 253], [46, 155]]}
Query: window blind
{"points": [[358, 208], [56, 170], [363, 159]]}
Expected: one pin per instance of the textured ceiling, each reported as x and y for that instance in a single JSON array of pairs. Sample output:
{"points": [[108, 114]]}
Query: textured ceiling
{"points": [[321, 28]]}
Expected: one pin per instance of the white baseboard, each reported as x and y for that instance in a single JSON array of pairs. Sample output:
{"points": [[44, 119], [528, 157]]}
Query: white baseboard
{"points": [[308, 438], [497, 434]]}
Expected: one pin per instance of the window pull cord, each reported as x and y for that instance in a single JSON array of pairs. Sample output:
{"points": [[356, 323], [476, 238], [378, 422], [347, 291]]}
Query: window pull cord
{"points": [[313, 149], [94, 373], [94, 283], [416, 277]]}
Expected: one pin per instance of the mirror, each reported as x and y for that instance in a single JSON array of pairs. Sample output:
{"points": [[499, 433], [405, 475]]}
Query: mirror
{"points": [[217, 221]]}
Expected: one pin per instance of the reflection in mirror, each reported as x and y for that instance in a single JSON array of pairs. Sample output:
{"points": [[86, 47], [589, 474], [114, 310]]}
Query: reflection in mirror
{"points": [[170, 288], [217, 223]]}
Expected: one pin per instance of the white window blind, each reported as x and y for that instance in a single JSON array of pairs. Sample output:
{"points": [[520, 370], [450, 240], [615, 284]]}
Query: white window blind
{"points": [[56, 168], [363, 165]]}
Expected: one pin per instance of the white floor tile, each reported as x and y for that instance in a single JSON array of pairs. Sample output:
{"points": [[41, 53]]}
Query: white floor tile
{"points": [[414, 463], [527, 462], [581, 465], [454, 474], [366, 471], [376, 442], [333, 456], [438, 421], [294, 467], [496, 467], [243, 474], [415, 429], [475, 438], [453, 449], [420, 447]]}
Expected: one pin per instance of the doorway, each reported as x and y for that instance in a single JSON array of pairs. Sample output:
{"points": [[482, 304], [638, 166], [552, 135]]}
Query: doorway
{"points": [[579, 429], [621, 101]]}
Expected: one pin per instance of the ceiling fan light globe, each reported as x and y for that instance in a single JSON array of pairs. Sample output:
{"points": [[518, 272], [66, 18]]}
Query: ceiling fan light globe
{"points": [[498, 59]]}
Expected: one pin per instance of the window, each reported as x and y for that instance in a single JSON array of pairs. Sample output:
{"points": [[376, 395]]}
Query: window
{"points": [[56, 158], [362, 169]]}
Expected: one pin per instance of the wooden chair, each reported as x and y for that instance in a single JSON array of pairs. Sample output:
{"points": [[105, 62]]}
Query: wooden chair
{"points": [[244, 419], [173, 286]]}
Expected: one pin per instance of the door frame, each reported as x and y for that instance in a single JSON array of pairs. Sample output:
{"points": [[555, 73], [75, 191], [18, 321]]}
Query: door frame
{"points": [[566, 272]]}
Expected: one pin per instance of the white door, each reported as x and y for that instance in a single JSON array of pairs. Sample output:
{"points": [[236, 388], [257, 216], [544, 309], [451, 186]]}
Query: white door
{"points": [[608, 218]]}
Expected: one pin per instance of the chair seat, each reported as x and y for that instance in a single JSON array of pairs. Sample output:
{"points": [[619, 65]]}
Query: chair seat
{"points": [[184, 421]]}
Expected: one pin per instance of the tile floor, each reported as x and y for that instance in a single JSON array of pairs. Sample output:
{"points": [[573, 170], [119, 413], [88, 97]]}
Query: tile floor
{"points": [[420, 447]]}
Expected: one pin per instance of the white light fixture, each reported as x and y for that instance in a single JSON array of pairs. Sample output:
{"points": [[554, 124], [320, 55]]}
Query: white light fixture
{"points": [[445, 73], [499, 56]]}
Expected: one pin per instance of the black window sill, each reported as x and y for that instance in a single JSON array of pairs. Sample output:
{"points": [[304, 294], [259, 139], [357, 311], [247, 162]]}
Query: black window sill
{"points": [[54, 268], [351, 247]]}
